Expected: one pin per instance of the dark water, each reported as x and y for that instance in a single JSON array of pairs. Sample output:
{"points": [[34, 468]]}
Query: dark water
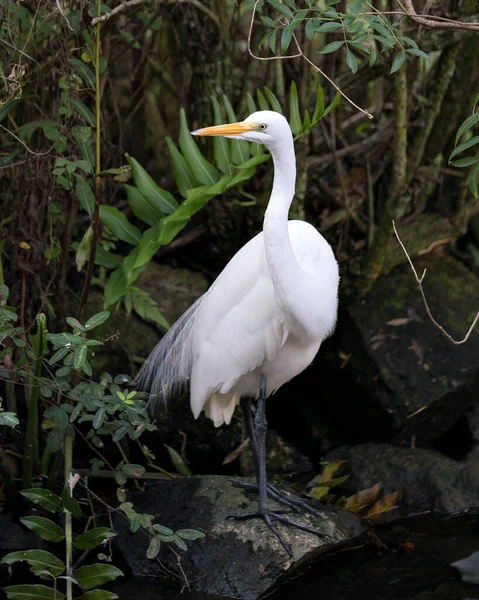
{"points": [[408, 559]]}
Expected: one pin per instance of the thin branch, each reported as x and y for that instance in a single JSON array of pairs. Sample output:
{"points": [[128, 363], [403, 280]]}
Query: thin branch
{"points": [[437, 22], [419, 281], [118, 9], [23, 143]]}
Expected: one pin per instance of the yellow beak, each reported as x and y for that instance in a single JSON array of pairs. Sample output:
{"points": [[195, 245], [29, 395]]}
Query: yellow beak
{"points": [[230, 129]]}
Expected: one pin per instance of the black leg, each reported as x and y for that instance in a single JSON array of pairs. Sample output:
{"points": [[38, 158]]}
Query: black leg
{"points": [[257, 434]]}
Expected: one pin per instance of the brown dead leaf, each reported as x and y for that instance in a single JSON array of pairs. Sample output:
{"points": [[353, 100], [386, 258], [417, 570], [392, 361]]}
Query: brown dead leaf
{"points": [[385, 504], [233, 455], [398, 322], [362, 498]]}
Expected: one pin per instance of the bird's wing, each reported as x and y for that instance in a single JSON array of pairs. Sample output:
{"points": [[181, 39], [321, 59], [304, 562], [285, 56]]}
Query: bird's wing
{"points": [[239, 325]]}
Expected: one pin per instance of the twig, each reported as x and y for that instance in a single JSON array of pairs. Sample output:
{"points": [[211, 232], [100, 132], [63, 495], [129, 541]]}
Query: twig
{"points": [[419, 281], [438, 22], [115, 11], [23, 143]]}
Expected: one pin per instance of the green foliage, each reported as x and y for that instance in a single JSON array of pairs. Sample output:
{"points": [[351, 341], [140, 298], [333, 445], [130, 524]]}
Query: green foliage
{"points": [[471, 143], [364, 29]]}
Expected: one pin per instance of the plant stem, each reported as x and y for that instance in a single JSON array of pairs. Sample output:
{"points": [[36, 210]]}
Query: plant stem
{"points": [[2, 245], [96, 214], [68, 515]]}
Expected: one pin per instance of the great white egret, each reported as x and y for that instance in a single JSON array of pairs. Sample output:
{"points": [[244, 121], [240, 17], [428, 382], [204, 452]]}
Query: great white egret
{"points": [[262, 321]]}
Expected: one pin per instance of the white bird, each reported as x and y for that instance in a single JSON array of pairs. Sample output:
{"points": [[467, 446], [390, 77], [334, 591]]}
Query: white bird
{"points": [[262, 321]]}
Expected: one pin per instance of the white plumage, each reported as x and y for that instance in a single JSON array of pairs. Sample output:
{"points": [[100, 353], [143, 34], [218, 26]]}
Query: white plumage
{"points": [[267, 312]]}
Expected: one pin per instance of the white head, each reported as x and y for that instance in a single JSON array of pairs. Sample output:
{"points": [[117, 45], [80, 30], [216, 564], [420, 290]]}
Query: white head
{"points": [[264, 127]]}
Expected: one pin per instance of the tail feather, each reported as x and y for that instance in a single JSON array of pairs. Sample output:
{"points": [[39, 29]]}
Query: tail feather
{"points": [[168, 368]]}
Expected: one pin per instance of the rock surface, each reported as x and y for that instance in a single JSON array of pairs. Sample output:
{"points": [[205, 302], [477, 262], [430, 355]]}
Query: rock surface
{"points": [[402, 379], [236, 559], [428, 480]]}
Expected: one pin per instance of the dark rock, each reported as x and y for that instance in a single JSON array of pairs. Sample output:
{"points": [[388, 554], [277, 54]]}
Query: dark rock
{"points": [[16, 537], [402, 379], [236, 559], [428, 480]]}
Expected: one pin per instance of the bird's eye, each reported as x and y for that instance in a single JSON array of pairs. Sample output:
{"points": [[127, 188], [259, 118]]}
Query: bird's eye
{"points": [[262, 127]]}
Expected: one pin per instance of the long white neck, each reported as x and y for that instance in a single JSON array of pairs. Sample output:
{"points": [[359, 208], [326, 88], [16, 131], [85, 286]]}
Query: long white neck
{"points": [[283, 266]]}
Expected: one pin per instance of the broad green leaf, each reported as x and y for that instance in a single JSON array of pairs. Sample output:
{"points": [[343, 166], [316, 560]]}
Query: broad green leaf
{"points": [[44, 498], [180, 543], [38, 560], [80, 357], [107, 259], [97, 320], [119, 225], [115, 288], [294, 116], [160, 199], [351, 61], [190, 534], [275, 105], [138, 259], [309, 29], [70, 503], [319, 106], [93, 538], [287, 36], [464, 146], [134, 470], [306, 122], [182, 173], [83, 251], [251, 103], [239, 149], [83, 110], [98, 595], [46, 529], [332, 47], [398, 62], [140, 206], [220, 144], [281, 8], [254, 161], [420, 53], [83, 136], [162, 530], [202, 170], [153, 548], [32, 592], [178, 462], [92, 576], [263, 105], [84, 71], [85, 195], [468, 123], [59, 355], [474, 181], [372, 54], [465, 162], [328, 28]]}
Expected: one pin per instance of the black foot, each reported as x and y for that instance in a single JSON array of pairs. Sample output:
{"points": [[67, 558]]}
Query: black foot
{"points": [[294, 502], [269, 516]]}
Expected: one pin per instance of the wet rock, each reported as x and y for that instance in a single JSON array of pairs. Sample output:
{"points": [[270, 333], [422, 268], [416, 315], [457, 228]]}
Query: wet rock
{"points": [[402, 380], [236, 559], [428, 480]]}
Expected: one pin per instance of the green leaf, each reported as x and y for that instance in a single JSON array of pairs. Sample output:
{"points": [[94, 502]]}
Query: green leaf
{"points": [[135, 263], [140, 206], [465, 162], [9, 419], [281, 8], [398, 62], [162, 530], [93, 538], [84, 71], [119, 225], [115, 288], [98, 595], [107, 259], [70, 503], [85, 195], [83, 250], [38, 560], [372, 54], [92, 576], [190, 534], [82, 135], [351, 61], [332, 47], [468, 123], [180, 543], [287, 36], [181, 172], [263, 105], [474, 181], [99, 418], [239, 149], [178, 462], [275, 105], [294, 116], [327, 28], [333, 104], [309, 29], [97, 320], [83, 110], [153, 548], [420, 53], [306, 122], [46, 529], [220, 144], [44, 498], [464, 146], [160, 199], [32, 592], [80, 357], [202, 170], [319, 106], [134, 470]]}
